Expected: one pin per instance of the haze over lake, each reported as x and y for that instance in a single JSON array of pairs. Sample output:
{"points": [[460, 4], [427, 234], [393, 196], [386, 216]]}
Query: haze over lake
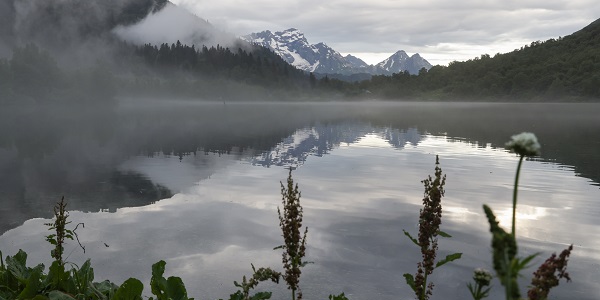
{"points": [[197, 185]]}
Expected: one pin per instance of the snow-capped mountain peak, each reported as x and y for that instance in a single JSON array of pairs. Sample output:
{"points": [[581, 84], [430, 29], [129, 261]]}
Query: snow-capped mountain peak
{"points": [[400, 62], [292, 46]]}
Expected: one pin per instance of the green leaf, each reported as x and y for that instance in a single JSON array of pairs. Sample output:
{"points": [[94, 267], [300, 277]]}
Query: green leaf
{"points": [[443, 234], [158, 269], [16, 266], [519, 264], [176, 289], [58, 295], [33, 284], [237, 296], [338, 297], [84, 277], [105, 287], [261, 296], [57, 277], [278, 247], [158, 284], [410, 280], [131, 289], [103, 291], [302, 265], [411, 238], [449, 258]]}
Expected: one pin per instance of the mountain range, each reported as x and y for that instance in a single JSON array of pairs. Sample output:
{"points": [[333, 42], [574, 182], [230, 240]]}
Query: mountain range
{"points": [[293, 47]]}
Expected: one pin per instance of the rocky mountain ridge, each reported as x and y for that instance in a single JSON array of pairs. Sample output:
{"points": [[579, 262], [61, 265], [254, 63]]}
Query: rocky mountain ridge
{"points": [[292, 46]]}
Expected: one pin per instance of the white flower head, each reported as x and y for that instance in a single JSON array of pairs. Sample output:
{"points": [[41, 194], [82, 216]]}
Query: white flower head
{"points": [[524, 144], [482, 277]]}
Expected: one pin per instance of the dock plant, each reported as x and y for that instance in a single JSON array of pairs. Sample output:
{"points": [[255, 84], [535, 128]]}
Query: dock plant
{"points": [[294, 247], [430, 220], [258, 276]]}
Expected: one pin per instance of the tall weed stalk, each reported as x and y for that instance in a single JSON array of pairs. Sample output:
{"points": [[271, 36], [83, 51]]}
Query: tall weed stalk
{"points": [[430, 219], [506, 261], [294, 247]]}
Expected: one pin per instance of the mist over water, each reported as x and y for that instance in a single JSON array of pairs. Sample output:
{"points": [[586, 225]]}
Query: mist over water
{"points": [[51, 152]]}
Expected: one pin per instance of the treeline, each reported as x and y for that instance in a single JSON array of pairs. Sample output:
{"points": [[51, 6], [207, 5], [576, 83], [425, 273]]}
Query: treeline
{"points": [[32, 75], [558, 69], [215, 72]]}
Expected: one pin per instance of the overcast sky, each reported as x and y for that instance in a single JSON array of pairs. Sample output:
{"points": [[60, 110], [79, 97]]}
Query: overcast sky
{"points": [[440, 30]]}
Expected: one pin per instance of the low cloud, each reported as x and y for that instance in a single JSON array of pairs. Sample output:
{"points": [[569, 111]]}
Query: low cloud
{"points": [[173, 24]]}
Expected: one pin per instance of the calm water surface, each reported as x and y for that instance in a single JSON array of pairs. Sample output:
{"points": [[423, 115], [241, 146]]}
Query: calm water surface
{"points": [[198, 186]]}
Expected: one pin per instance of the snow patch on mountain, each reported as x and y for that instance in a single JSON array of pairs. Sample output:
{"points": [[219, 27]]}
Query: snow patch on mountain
{"points": [[293, 47]]}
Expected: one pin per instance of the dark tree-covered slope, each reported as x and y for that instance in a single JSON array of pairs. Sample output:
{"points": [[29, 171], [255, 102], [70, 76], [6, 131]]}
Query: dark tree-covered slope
{"points": [[563, 68]]}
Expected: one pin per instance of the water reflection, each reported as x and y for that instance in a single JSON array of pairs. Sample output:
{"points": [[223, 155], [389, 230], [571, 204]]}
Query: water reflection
{"points": [[322, 138], [357, 199], [360, 168]]}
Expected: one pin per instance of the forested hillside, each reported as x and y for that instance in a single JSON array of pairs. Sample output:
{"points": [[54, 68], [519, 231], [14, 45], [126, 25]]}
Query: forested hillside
{"points": [[556, 69]]}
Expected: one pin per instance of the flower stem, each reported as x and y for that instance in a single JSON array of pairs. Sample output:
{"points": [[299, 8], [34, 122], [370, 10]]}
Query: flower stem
{"points": [[514, 209]]}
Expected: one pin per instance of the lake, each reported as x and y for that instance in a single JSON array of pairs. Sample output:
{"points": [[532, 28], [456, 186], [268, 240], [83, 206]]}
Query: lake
{"points": [[198, 185]]}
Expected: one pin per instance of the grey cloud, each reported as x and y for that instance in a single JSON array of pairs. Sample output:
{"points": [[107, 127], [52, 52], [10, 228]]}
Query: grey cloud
{"points": [[387, 26]]}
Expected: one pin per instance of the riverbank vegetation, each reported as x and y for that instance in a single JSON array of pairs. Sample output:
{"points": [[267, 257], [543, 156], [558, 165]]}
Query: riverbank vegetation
{"points": [[65, 280]]}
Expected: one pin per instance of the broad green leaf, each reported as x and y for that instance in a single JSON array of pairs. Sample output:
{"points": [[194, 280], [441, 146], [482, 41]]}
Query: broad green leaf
{"points": [[444, 234], [449, 258], [131, 289], [16, 266], [158, 269], [57, 277], [158, 284], [100, 294], [39, 297], [410, 280], [105, 287], [83, 276], [236, 296], [33, 284], [261, 296], [338, 297], [411, 238], [58, 295], [176, 289]]}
